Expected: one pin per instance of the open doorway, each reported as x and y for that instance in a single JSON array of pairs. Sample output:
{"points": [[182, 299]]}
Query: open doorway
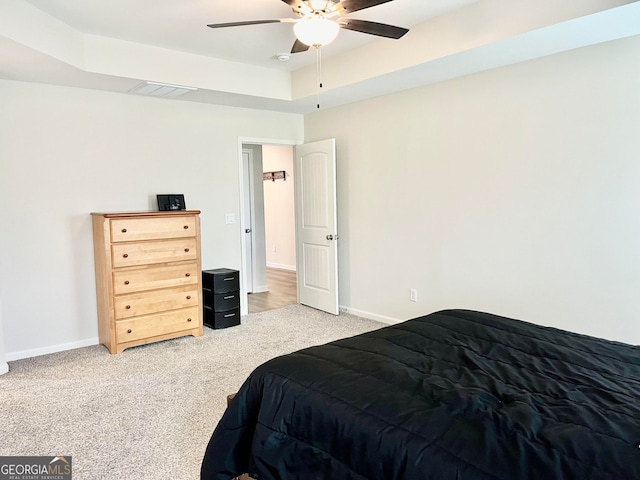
{"points": [[269, 226]]}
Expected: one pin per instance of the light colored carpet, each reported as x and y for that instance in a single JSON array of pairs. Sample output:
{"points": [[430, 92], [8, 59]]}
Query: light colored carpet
{"points": [[148, 413]]}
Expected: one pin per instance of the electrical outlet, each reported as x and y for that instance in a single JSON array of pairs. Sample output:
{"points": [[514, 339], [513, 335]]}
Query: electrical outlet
{"points": [[413, 296], [230, 218]]}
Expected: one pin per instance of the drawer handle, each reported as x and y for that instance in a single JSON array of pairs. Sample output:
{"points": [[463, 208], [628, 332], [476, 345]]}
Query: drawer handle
{"points": [[230, 315], [186, 249], [229, 279], [124, 230], [128, 307], [186, 227], [188, 319], [187, 274], [129, 331], [126, 282], [126, 255], [188, 297], [229, 297]]}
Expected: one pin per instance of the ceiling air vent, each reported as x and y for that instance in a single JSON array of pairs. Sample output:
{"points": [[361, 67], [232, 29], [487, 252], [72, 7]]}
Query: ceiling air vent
{"points": [[157, 89]]}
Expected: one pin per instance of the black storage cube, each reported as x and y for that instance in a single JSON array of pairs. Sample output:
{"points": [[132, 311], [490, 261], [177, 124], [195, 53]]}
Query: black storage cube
{"points": [[221, 297], [226, 301], [221, 280], [219, 320]]}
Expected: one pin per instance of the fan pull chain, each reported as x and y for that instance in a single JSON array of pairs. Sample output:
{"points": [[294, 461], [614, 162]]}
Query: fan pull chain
{"points": [[318, 72]]}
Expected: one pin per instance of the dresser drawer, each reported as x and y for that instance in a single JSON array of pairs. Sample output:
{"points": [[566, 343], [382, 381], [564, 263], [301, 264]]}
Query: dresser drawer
{"points": [[134, 229], [151, 278], [159, 324], [132, 305], [221, 302], [158, 251], [221, 319], [221, 280]]}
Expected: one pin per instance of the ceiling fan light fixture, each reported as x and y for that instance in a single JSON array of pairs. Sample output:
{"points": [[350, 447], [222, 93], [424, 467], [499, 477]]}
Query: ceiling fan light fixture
{"points": [[316, 31]]}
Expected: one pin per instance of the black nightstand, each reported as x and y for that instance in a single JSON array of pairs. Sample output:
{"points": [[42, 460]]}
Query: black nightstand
{"points": [[221, 297]]}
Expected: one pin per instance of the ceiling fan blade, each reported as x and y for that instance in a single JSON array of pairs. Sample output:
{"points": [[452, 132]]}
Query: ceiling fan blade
{"points": [[373, 28], [348, 6], [298, 6], [298, 47], [250, 22]]}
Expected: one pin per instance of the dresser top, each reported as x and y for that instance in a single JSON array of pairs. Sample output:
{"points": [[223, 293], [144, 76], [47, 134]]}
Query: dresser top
{"points": [[146, 213]]}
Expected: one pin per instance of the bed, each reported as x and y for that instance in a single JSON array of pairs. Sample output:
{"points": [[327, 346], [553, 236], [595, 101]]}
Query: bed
{"points": [[452, 395]]}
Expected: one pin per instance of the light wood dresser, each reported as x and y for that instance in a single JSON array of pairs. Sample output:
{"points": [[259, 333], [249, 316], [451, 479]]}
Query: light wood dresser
{"points": [[148, 276]]}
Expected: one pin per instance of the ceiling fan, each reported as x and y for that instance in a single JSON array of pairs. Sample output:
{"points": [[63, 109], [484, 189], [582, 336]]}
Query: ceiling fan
{"points": [[319, 21]]}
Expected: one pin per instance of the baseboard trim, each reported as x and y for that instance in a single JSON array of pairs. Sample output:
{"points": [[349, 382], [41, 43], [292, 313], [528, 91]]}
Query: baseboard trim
{"points": [[36, 352], [281, 267], [370, 316], [260, 289], [4, 368]]}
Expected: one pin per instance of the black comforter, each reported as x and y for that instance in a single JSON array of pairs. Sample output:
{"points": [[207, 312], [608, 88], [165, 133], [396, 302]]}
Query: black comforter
{"points": [[452, 395]]}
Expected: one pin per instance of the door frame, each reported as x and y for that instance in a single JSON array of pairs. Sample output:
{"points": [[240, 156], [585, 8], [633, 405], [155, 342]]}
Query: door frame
{"points": [[249, 194], [244, 302]]}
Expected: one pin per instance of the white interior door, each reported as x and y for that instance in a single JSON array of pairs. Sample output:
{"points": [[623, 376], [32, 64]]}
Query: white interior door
{"points": [[247, 159], [317, 225]]}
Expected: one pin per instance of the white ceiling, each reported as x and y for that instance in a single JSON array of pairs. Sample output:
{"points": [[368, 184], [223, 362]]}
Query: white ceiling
{"points": [[181, 25], [114, 45]]}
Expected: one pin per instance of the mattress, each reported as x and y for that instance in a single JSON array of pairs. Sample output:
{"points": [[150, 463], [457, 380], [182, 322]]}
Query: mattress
{"points": [[452, 395]]}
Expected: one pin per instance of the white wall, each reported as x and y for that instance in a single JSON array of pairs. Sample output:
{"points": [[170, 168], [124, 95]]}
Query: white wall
{"points": [[513, 191], [66, 152], [279, 208], [4, 367]]}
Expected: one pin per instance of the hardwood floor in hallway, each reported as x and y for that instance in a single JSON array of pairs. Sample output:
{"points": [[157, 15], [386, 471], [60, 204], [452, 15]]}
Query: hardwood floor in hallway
{"points": [[282, 291]]}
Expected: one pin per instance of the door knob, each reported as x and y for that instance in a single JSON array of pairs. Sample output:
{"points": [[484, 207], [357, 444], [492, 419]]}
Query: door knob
{"points": [[329, 237], [247, 230]]}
